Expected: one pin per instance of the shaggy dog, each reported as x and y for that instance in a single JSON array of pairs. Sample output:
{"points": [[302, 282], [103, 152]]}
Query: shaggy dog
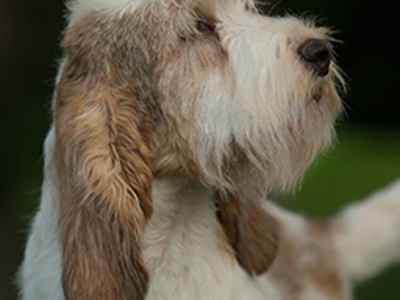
{"points": [[173, 119]]}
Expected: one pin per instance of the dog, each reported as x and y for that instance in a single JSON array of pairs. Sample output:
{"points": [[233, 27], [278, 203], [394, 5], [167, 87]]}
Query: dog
{"points": [[173, 122]]}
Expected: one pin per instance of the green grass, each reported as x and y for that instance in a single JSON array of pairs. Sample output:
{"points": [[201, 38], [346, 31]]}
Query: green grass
{"points": [[365, 158]]}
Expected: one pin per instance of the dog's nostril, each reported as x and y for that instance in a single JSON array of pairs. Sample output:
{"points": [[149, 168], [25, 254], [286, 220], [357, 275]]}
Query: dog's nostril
{"points": [[318, 55]]}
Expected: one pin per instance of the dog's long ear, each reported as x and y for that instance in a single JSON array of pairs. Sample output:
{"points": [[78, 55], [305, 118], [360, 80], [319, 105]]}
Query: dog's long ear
{"points": [[250, 230], [104, 157]]}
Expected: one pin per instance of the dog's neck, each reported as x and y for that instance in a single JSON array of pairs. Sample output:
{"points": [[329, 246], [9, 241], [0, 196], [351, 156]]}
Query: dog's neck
{"points": [[183, 243], [183, 221], [186, 249]]}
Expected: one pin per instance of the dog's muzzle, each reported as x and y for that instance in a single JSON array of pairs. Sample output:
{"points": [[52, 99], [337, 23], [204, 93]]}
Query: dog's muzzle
{"points": [[317, 53]]}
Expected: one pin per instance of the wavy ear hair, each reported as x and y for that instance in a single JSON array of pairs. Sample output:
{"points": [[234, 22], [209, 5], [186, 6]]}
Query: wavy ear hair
{"points": [[104, 158], [250, 230]]}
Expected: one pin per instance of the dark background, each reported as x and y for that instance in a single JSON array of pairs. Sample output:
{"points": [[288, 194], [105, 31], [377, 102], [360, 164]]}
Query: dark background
{"points": [[367, 155]]}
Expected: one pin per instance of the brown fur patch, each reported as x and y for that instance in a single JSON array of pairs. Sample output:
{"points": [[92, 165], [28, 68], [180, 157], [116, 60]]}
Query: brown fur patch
{"points": [[325, 272], [190, 58], [104, 120], [120, 118], [250, 230], [307, 261]]}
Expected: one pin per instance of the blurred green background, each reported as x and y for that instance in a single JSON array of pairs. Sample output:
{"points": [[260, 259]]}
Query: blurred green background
{"points": [[367, 155]]}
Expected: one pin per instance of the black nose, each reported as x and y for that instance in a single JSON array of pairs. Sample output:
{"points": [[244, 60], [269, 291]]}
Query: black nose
{"points": [[318, 55]]}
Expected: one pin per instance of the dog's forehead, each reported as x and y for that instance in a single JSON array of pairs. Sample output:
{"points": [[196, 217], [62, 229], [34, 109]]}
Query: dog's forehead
{"points": [[79, 7]]}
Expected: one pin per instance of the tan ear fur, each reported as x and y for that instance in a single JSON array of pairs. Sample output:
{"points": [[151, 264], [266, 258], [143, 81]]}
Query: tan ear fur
{"points": [[104, 158], [250, 230]]}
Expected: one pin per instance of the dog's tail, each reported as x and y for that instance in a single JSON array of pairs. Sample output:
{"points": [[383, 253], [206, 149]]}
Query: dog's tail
{"points": [[367, 233]]}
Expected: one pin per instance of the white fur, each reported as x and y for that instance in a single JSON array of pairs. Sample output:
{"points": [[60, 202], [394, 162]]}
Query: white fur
{"points": [[268, 93], [79, 7], [368, 233], [42, 266], [185, 258]]}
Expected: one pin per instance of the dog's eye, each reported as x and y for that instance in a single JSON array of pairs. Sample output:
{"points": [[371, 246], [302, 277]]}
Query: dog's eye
{"points": [[204, 27]]}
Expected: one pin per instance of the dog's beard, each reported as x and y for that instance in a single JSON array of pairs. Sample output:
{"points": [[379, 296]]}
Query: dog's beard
{"points": [[263, 120]]}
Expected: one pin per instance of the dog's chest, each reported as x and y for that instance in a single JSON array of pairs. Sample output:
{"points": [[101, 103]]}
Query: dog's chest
{"points": [[183, 249], [186, 252]]}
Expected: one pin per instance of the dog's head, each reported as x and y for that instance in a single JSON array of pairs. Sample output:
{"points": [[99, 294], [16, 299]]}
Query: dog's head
{"points": [[206, 89]]}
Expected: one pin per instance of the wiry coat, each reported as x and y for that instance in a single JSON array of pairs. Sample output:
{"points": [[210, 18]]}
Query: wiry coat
{"points": [[172, 120]]}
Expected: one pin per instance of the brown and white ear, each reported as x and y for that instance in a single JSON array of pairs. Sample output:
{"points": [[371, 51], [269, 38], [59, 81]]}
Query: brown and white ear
{"points": [[103, 157], [250, 230]]}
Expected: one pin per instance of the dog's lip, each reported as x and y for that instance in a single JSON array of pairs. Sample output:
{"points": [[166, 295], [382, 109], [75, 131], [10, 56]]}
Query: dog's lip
{"points": [[317, 95], [317, 98]]}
